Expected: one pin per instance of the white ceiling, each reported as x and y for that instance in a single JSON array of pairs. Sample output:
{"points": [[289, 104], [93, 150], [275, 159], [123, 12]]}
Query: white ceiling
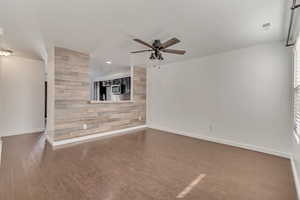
{"points": [[105, 28]]}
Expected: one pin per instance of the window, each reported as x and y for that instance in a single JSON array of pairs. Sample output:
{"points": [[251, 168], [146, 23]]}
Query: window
{"points": [[297, 91]]}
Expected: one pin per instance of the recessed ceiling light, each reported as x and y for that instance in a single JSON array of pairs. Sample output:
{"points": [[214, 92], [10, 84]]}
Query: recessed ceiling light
{"points": [[266, 26], [108, 62]]}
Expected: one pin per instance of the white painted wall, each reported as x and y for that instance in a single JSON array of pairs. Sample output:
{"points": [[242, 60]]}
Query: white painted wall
{"points": [[0, 108], [1, 105], [22, 89], [242, 96]]}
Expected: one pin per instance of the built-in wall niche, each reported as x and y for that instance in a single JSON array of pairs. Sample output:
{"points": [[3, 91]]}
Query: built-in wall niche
{"points": [[111, 84]]}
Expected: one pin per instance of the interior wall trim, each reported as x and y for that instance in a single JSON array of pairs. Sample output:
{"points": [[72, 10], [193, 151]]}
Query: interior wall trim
{"points": [[94, 136], [296, 177], [17, 132], [223, 141]]}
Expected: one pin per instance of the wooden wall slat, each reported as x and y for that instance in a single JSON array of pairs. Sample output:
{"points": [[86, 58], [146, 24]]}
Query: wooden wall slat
{"points": [[72, 93]]}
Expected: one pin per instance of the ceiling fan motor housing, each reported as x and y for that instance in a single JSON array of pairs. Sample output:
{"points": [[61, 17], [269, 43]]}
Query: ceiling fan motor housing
{"points": [[156, 44]]}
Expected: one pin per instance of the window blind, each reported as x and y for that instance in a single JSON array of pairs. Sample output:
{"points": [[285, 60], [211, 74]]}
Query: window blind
{"points": [[297, 90]]}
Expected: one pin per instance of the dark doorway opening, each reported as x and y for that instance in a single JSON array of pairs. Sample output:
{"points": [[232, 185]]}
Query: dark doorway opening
{"points": [[45, 111]]}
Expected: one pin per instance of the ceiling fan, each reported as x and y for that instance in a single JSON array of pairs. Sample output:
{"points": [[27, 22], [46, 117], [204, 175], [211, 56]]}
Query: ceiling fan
{"points": [[157, 47]]}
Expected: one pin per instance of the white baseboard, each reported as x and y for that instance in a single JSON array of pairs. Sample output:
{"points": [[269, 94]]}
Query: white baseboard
{"points": [[49, 139], [223, 141], [93, 136], [296, 177], [16, 132]]}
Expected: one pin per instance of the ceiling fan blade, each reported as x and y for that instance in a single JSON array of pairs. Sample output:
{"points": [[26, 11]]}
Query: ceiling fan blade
{"points": [[141, 51], [143, 43], [174, 51], [169, 43]]}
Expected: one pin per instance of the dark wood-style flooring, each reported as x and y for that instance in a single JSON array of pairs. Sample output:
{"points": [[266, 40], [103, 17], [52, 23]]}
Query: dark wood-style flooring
{"points": [[140, 166]]}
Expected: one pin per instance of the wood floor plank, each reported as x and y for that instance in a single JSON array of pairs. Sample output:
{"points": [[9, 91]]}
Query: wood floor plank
{"points": [[146, 165]]}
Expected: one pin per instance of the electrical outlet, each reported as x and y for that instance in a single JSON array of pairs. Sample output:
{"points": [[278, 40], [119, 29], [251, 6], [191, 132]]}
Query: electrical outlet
{"points": [[84, 126]]}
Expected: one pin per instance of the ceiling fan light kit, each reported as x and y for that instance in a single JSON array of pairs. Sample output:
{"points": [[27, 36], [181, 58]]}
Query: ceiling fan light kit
{"points": [[157, 47], [152, 57]]}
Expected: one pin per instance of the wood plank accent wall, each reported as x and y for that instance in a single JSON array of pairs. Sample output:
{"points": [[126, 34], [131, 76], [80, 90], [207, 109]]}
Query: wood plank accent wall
{"points": [[72, 95]]}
